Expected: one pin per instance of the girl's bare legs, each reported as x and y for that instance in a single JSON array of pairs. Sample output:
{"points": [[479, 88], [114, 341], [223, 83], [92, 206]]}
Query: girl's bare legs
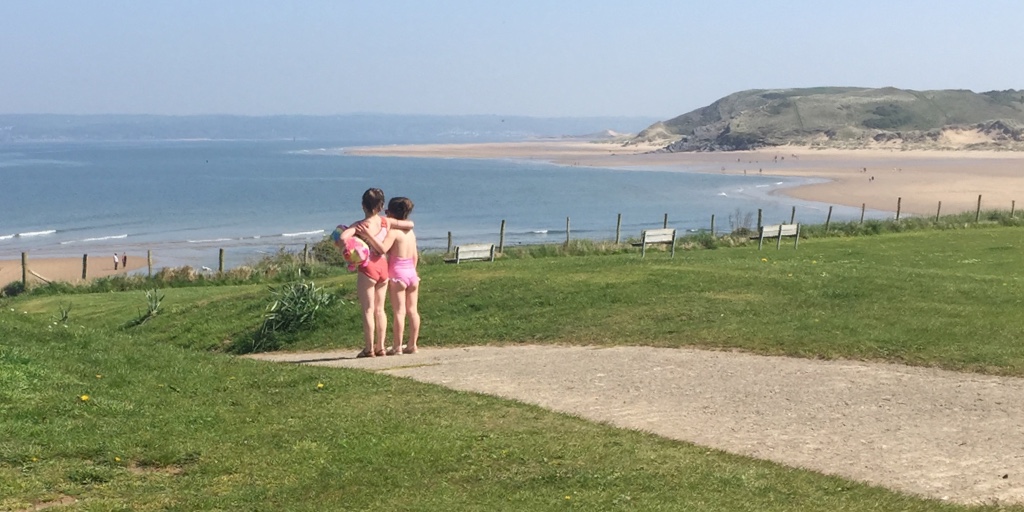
{"points": [[412, 294], [398, 309], [380, 292], [366, 289]]}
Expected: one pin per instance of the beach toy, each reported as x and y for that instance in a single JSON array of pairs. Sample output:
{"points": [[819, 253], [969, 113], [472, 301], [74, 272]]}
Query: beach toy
{"points": [[356, 253], [336, 236]]}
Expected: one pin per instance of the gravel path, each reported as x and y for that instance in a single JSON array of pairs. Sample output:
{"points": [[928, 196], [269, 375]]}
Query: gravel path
{"points": [[936, 433]]}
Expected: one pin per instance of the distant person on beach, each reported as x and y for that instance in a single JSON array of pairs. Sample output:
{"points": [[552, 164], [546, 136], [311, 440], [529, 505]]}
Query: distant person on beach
{"points": [[403, 257], [116, 261], [124, 260]]}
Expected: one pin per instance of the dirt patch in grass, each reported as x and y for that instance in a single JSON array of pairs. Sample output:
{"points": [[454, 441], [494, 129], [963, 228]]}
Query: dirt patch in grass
{"points": [[936, 433], [59, 502]]}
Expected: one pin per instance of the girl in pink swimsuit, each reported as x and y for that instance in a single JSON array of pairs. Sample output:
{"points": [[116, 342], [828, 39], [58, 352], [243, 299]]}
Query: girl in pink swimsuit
{"points": [[372, 280], [400, 246]]}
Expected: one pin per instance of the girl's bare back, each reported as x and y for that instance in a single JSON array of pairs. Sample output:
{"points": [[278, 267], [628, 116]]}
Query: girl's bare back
{"points": [[405, 244]]}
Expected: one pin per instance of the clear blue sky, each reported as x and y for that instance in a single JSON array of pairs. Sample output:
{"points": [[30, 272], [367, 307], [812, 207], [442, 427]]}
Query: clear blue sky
{"points": [[524, 57]]}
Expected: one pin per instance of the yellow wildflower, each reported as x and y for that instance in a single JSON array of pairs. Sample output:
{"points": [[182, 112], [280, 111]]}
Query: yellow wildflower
{"points": [[319, 385], [84, 398], [764, 260], [98, 376]]}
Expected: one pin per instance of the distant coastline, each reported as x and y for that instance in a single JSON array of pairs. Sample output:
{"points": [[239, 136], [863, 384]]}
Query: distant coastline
{"points": [[876, 178]]}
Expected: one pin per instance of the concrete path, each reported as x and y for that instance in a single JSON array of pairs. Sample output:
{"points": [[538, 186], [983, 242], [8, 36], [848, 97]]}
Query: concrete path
{"points": [[936, 433]]}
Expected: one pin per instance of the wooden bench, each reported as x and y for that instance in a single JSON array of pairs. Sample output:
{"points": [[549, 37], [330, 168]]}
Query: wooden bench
{"points": [[778, 231], [473, 252], [665, 236]]}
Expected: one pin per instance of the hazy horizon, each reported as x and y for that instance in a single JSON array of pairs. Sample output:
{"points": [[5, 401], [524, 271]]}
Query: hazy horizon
{"points": [[654, 58]]}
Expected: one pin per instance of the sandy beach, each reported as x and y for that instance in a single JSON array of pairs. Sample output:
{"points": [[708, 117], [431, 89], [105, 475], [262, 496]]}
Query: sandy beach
{"points": [[66, 270], [876, 178]]}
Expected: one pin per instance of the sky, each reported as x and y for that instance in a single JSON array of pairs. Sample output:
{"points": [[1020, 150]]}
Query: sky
{"points": [[557, 58]]}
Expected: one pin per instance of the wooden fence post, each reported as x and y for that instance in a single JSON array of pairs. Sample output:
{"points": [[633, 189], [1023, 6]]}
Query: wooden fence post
{"points": [[618, 228], [899, 203], [863, 206], [149, 261], [567, 231], [712, 225], [449, 242], [664, 223], [759, 224], [501, 237], [938, 211], [1013, 207], [24, 270], [305, 254], [977, 213], [792, 216], [828, 219], [220, 261], [85, 266]]}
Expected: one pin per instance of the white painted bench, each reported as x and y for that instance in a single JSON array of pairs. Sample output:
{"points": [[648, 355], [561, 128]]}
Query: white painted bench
{"points": [[778, 231], [473, 252], [665, 236]]}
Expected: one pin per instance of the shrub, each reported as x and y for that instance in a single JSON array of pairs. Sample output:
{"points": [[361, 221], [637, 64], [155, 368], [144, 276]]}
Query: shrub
{"points": [[12, 289], [294, 307], [701, 240], [326, 253], [741, 224]]}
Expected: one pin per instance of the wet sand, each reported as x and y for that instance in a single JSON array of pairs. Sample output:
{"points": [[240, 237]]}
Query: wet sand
{"points": [[877, 178], [67, 270]]}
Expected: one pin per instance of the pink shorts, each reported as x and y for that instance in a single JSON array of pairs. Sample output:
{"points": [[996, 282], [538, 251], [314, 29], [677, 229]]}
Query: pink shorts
{"points": [[403, 270]]}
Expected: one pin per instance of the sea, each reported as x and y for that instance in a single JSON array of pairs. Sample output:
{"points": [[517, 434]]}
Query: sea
{"points": [[186, 200]]}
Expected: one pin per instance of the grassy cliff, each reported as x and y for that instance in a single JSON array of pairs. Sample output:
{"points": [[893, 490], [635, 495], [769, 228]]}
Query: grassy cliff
{"points": [[848, 117]]}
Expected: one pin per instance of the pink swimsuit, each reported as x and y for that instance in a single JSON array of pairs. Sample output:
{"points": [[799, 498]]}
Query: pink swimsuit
{"points": [[376, 266], [403, 270]]}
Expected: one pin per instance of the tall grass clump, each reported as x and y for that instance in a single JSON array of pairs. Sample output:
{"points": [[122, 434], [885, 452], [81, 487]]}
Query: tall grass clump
{"points": [[154, 299], [964, 220], [282, 266], [573, 248], [294, 307], [742, 223]]}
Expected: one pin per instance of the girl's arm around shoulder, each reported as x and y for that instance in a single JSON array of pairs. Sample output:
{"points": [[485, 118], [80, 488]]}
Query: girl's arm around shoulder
{"points": [[405, 224], [379, 246]]}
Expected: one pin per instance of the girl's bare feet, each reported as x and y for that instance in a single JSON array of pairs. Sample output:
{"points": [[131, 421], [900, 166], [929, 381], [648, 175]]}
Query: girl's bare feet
{"points": [[395, 351], [409, 349]]}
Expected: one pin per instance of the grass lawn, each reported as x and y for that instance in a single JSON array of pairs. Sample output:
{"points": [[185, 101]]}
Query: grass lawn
{"points": [[174, 422]]}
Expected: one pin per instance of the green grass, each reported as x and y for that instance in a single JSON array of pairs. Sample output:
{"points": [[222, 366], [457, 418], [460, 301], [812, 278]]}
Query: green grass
{"points": [[173, 422]]}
